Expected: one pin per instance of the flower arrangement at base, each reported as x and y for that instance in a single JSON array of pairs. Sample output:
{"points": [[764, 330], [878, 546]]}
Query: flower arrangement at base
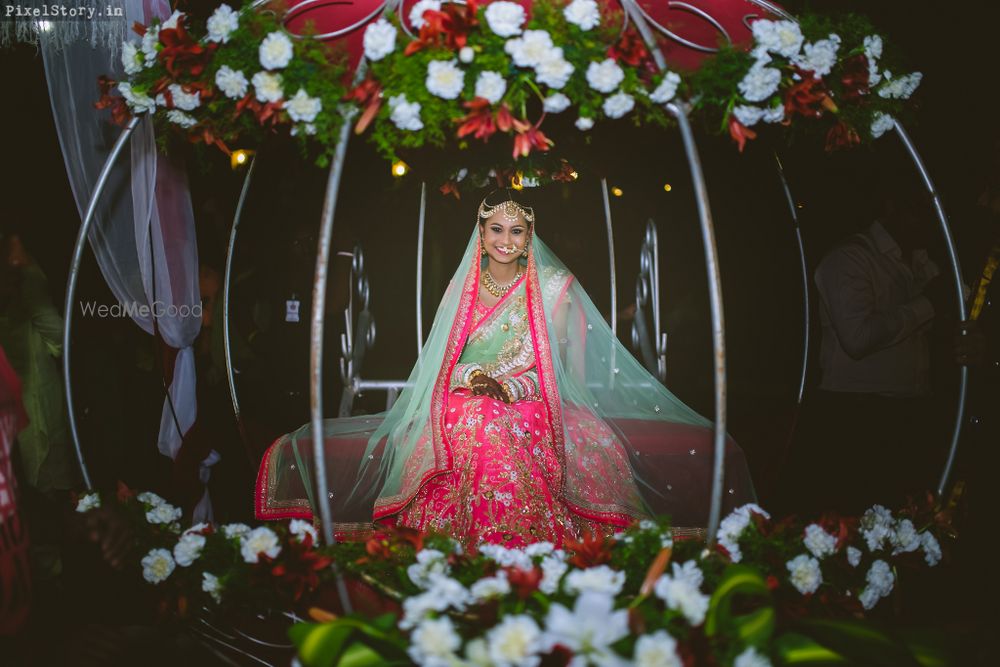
{"points": [[770, 590]]}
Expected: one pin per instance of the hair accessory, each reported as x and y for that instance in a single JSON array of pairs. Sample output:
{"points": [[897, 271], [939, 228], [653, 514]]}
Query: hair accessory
{"points": [[510, 210]]}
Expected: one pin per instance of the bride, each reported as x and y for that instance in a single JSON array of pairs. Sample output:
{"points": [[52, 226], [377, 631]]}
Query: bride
{"points": [[524, 419]]}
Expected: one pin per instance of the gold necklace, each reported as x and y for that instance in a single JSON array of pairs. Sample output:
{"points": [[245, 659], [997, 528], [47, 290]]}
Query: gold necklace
{"points": [[495, 288]]}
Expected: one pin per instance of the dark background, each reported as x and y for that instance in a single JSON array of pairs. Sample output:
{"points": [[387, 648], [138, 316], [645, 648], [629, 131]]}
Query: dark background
{"points": [[119, 396]]}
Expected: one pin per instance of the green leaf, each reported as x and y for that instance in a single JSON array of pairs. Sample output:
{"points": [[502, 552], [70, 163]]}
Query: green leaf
{"points": [[361, 655], [858, 641], [795, 649], [320, 644], [755, 627]]}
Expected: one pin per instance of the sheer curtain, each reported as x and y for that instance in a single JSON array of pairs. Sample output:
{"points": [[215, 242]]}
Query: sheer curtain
{"points": [[143, 233]]}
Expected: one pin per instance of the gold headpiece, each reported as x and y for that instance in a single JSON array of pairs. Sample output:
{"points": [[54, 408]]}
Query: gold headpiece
{"points": [[510, 210]]}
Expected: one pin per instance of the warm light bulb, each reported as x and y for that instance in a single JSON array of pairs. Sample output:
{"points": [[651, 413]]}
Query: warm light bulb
{"points": [[667, 187], [399, 168], [574, 175], [516, 181], [616, 191], [239, 158]]}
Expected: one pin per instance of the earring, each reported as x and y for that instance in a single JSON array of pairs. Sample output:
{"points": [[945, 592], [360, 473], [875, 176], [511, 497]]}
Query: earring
{"points": [[482, 245], [525, 253]]}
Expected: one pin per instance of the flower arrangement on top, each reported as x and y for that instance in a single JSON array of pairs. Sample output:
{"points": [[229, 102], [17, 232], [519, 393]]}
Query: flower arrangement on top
{"points": [[479, 69], [770, 590]]}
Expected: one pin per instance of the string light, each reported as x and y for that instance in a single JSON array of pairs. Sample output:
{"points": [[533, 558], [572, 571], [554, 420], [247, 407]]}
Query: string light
{"points": [[239, 158], [667, 187], [400, 168], [617, 191], [574, 175]]}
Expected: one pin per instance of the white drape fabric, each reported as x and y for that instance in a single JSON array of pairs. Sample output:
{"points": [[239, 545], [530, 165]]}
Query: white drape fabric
{"points": [[143, 234]]}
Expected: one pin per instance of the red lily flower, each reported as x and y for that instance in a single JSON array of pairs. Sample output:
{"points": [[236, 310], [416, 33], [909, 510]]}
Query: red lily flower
{"points": [[451, 188], [630, 49], [565, 173], [855, 77], [590, 550], [524, 582], [740, 132], [181, 52], [808, 98], [529, 137], [841, 135], [448, 28], [479, 121], [368, 93], [299, 568], [120, 113]]}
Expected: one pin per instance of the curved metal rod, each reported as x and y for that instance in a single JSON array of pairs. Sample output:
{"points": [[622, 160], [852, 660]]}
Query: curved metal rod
{"points": [[805, 277], [718, 323], [74, 275], [956, 272], [226, 280], [420, 267], [611, 256], [632, 9]]}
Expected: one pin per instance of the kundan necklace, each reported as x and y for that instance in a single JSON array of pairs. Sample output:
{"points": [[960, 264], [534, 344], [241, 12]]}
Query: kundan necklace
{"points": [[495, 288]]}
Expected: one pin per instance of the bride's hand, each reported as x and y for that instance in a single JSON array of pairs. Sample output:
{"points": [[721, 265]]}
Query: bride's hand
{"points": [[484, 385]]}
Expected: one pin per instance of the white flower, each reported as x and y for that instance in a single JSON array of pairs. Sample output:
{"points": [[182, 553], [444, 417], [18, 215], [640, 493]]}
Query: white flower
{"points": [[869, 598], [584, 123], [781, 37], [732, 528], [275, 51], [819, 57], [880, 582], [667, 88], [138, 102], [901, 88], [477, 654], [180, 98], [417, 12], [405, 115], [553, 568], [430, 563], [307, 128], [680, 591], [261, 540], [131, 60], [171, 23], [556, 103], [505, 18], [506, 557], [221, 24], [873, 47], [415, 609], [804, 573], [599, 579], [466, 54], [819, 542], [618, 105], [150, 40], [448, 593], [554, 70], [539, 549], [877, 525], [491, 86], [267, 87], [775, 114], [232, 530], [444, 79], [589, 630], [604, 76], [232, 83], [853, 556], [932, 548], [760, 83], [210, 584], [90, 501], [157, 565], [656, 650], [904, 539], [490, 587], [514, 642], [583, 13], [163, 513], [531, 48], [300, 528], [150, 498], [747, 114], [751, 658], [434, 642], [379, 40], [188, 548], [302, 108]]}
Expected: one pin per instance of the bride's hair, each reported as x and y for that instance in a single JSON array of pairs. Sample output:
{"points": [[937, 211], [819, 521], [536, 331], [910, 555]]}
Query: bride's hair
{"points": [[502, 195]]}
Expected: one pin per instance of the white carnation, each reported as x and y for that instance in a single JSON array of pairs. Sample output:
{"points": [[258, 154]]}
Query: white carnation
{"points": [[656, 650], [588, 630], [430, 564], [618, 105], [783, 38], [221, 24], [877, 525], [261, 540], [180, 118], [434, 642], [583, 123], [853, 556], [150, 42], [775, 114], [302, 108], [490, 587], [556, 103], [732, 527], [819, 57], [301, 529], [157, 565], [137, 102], [405, 115], [180, 98], [748, 114], [873, 51], [491, 86], [932, 548], [188, 548], [163, 513], [804, 573], [275, 51], [760, 83], [444, 79], [466, 54], [539, 549], [901, 88], [150, 498], [531, 48], [514, 642], [554, 70], [681, 591], [131, 60], [171, 23], [604, 76], [235, 530], [379, 40], [880, 582], [583, 13], [505, 18], [90, 501], [905, 538], [417, 12], [751, 658], [819, 542], [232, 83], [553, 568], [477, 654], [506, 557], [667, 88], [599, 579], [267, 87], [210, 584]]}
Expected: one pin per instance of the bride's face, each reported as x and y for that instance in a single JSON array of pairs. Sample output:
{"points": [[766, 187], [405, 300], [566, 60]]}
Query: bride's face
{"points": [[504, 240]]}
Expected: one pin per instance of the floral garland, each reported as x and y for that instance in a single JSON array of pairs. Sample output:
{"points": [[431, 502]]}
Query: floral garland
{"points": [[599, 601]]}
